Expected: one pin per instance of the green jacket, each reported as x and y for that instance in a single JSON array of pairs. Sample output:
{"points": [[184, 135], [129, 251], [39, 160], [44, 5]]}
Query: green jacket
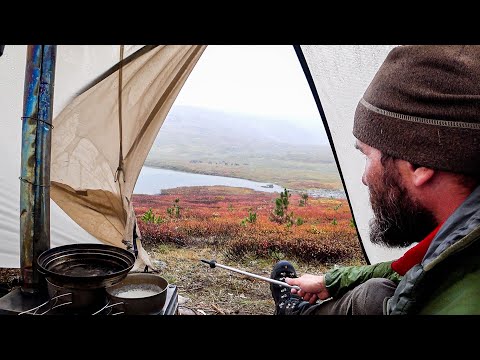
{"points": [[338, 281], [447, 281]]}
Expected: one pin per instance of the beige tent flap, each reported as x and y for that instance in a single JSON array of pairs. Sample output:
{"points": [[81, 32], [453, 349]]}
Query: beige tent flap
{"points": [[101, 139]]}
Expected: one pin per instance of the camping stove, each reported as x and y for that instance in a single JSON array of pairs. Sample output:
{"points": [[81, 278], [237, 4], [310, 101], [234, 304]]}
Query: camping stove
{"points": [[18, 303]]}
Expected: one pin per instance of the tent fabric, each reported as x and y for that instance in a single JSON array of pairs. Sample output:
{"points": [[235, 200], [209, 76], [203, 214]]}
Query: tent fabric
{"points": [[76, 66], [94, 205], [341, 74], [101, 139], [11, 84]]}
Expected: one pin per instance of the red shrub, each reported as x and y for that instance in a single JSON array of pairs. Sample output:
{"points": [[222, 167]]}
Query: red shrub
{"points": [[216, 213]]}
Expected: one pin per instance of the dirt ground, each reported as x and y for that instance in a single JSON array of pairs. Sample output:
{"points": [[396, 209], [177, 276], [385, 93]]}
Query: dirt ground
{"points": [[219, 291], [8, 279]]}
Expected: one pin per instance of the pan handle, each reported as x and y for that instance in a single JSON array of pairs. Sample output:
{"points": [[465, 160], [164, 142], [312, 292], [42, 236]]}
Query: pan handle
{"points": [[107, 306], [52, 304]]}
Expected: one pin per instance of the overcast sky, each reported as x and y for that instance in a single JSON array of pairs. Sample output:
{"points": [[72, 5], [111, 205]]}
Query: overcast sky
{"points": [[265, 80]]}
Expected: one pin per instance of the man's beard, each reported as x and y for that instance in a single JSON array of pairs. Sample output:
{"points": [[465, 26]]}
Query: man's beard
{"points": [[399, 220]]}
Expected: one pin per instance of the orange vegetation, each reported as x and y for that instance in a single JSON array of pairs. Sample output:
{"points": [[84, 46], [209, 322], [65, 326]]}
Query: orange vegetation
{"points": [[223, 216]]}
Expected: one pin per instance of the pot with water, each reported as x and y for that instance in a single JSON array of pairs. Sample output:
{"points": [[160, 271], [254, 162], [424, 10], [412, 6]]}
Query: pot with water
{"points": [[139, 294]]}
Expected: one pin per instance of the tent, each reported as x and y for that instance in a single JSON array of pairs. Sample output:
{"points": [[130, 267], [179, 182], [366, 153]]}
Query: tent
{"points": [[123, 94], [91, 184], [339, 75]]}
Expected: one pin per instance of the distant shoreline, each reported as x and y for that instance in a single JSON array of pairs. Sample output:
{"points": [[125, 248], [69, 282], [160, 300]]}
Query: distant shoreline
{"points": [[209, 173], [271, 187]]}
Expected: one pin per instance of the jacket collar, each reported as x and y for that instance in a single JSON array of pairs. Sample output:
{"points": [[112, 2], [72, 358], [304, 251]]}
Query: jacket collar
{"points": [[463, 221]]}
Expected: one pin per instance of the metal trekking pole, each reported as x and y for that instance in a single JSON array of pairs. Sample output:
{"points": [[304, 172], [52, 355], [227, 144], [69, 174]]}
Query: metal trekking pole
{"points": [[213, 264]]}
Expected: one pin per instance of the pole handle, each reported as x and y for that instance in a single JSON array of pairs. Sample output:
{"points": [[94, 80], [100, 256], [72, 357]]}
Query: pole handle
{"points": [[211, 262]]}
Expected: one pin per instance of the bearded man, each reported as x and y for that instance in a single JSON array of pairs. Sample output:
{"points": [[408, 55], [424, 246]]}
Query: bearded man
{"points": [[418, 126]]}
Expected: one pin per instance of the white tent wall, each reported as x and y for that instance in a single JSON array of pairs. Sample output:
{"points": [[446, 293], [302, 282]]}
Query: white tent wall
{"points": [[341, 74], [76, 66], [151, 83]]}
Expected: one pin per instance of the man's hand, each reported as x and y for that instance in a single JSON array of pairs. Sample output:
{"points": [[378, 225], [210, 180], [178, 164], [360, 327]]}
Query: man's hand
{"points": [[312, 287]]}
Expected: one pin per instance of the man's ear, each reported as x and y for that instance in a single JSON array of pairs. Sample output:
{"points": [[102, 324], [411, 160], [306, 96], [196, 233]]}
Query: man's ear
{"points": [[420, 174]]}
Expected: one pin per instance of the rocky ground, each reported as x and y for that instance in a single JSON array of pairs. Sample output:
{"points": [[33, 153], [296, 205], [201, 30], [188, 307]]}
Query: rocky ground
{"points": [[9, 278]]}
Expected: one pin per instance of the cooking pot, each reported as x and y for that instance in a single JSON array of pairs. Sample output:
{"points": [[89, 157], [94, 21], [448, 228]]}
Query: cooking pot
{"points": [[76, 300], [76, 275], [85, 266], [139, 294]]}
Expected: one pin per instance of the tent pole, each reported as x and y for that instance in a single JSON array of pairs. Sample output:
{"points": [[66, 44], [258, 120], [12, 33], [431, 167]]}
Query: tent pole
{"points": [[35, 164]]}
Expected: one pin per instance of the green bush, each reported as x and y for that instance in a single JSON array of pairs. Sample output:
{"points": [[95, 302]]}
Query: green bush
{"points": [[174, 211], [251, 218], [303, 200], [279, 213]]}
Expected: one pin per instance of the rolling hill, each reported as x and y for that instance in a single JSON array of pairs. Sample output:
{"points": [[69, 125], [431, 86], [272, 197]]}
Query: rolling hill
{"points": [[279, 151]]}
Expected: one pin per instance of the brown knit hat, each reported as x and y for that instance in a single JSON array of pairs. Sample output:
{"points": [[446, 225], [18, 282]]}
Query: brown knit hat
{"points": [[423, 106]]}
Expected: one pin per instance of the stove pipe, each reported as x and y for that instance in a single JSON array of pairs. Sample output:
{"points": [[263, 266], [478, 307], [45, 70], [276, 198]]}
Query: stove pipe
{"points": [[35, 165]]}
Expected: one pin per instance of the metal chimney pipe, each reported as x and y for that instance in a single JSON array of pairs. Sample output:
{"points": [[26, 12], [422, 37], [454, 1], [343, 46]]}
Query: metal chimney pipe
{"points": [[35, 164]]}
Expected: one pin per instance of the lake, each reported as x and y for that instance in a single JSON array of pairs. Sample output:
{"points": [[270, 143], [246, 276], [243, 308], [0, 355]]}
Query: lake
{"points": [[151, 181]]}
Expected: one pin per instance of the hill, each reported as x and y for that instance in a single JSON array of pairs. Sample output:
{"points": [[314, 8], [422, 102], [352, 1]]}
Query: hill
{"points": [[278, 151]]}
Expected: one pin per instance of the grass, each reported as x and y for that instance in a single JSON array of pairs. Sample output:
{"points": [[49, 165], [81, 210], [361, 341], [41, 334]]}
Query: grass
{"points": [[219, 291]]}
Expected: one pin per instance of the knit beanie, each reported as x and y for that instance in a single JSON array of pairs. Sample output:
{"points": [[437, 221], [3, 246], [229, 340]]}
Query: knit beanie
{"points": [[423, 106]]}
